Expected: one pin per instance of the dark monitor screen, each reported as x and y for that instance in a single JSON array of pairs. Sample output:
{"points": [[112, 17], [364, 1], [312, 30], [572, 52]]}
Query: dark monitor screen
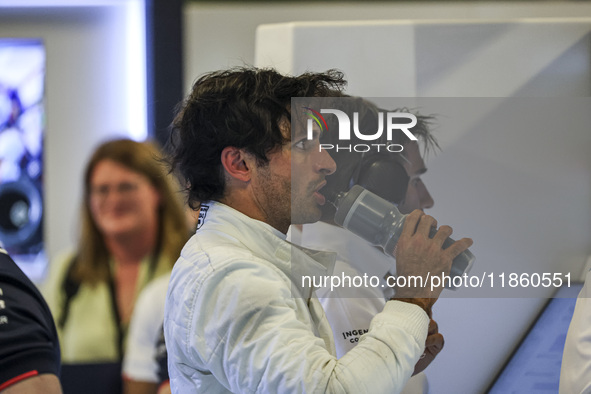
{"points": [[534, 366], [22, 127]]}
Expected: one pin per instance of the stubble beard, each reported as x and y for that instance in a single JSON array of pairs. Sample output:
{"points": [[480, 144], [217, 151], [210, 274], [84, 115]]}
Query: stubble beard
{"points": [[275, 194], [304, 207]]}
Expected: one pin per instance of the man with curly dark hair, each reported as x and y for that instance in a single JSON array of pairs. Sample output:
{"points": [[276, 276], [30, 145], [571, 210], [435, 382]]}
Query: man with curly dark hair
{"points": [[238, 317]]}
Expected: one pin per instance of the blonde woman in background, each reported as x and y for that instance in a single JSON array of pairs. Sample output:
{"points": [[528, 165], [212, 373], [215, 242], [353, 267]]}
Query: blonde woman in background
{"points": [[133, 228]]}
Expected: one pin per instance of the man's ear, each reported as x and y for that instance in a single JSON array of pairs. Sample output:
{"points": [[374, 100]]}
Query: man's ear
{"points": [[235, 162]]}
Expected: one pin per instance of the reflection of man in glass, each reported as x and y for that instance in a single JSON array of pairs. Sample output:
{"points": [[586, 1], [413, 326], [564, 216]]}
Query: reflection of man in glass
{"points": [[397, 178], [417, 196]]}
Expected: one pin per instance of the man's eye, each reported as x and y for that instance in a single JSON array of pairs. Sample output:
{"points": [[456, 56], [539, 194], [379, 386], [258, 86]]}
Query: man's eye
{"points": [[302, 144]]}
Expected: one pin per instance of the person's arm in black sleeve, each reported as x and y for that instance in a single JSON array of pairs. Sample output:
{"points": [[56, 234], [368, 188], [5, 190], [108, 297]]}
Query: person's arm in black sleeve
{"points": [[29, 347]]}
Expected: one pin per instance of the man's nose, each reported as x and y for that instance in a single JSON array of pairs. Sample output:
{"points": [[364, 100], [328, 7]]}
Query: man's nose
{"points": [[425, 198], [325, 163]]}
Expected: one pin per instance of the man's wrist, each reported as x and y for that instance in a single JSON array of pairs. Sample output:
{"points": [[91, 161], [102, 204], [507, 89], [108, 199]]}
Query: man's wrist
{"points": [[423, 303]]}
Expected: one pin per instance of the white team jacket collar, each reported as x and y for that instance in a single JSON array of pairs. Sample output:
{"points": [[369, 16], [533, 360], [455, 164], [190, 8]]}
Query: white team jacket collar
{"points": [[268, 243]]}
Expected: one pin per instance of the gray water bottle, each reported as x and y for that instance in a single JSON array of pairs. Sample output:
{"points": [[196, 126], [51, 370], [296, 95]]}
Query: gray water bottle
{"points": [[379, 222]]}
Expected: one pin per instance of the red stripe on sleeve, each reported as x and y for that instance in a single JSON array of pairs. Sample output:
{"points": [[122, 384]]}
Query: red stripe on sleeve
{"points": [[18, 378]]}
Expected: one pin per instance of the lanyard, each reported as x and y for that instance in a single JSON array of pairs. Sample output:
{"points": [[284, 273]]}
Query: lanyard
{"points": [[115, 306]]}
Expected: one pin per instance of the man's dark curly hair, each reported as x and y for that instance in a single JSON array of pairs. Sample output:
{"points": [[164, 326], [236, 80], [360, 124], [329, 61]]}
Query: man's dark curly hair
{"points": [[241, 107]]}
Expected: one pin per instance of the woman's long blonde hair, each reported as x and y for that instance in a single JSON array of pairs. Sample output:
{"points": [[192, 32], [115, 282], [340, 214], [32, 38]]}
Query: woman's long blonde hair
{"points": [[92, 260]]}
